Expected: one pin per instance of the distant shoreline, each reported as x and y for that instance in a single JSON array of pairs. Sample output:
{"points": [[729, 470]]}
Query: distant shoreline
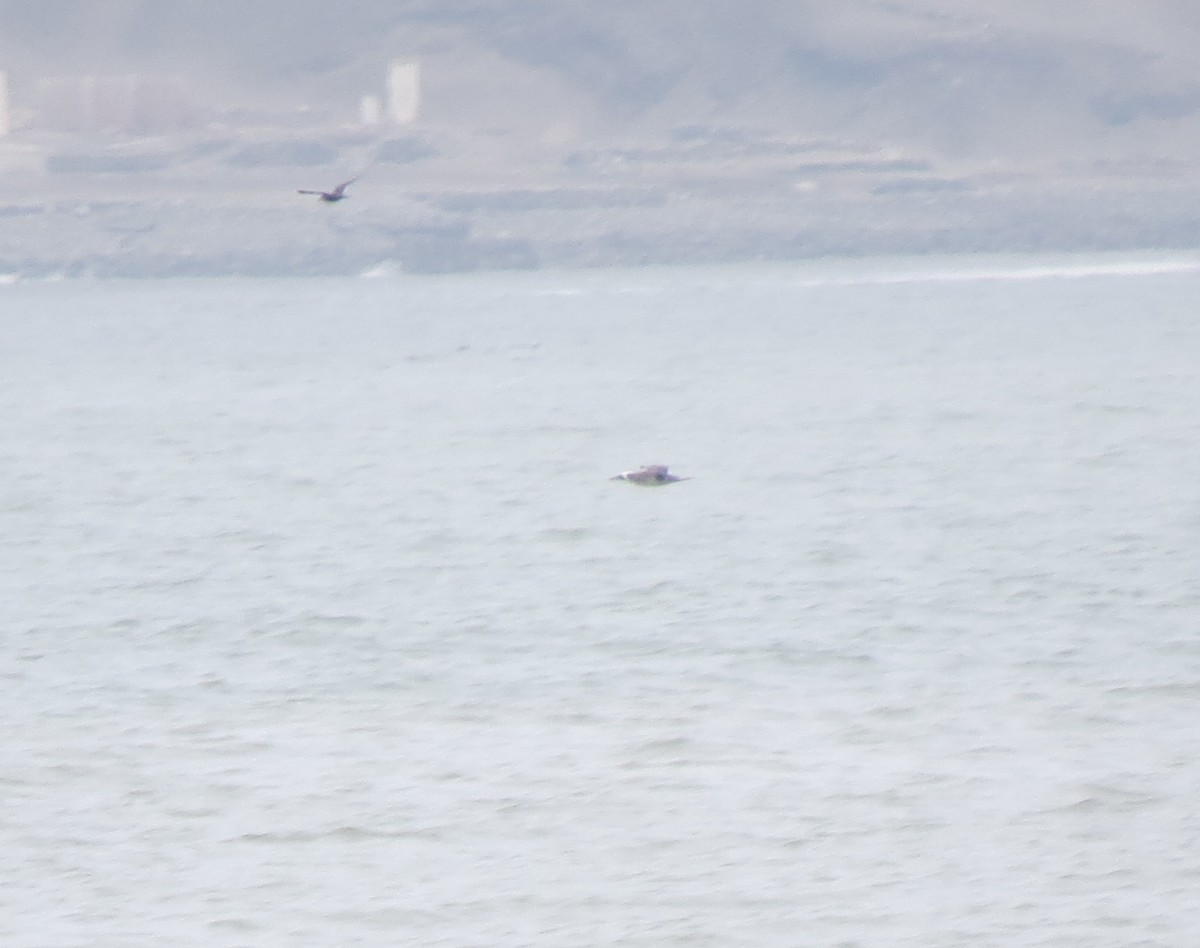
{"points": [[425, 219]]}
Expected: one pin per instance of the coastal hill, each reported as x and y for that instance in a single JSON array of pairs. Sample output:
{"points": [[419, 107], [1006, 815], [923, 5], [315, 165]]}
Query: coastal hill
{"points": [[971, 77], [554, 132]]}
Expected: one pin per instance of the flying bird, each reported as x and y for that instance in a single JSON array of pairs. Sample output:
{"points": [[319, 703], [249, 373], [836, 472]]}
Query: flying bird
{"points": [[337, 194], [650, 475]]}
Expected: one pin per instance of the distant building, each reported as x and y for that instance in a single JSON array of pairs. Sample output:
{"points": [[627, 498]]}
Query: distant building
{"points": [[131, 104], [370, 111], [5, 115], [403, 92]]}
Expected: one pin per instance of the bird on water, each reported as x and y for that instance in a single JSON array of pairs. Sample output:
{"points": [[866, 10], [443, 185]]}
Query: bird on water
{"points": [[337, 194], [650, 475]]}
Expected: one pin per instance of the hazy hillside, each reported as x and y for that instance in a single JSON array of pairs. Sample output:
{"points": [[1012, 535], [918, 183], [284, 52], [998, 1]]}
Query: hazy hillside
{"points": [[1102, 78]]}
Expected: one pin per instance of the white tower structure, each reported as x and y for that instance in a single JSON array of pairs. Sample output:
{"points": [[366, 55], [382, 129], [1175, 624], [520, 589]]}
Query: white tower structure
{"points": [[403, 92]]}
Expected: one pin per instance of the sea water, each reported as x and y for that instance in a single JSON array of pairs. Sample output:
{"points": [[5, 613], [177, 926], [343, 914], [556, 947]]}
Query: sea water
{"points": [[323, 624]]}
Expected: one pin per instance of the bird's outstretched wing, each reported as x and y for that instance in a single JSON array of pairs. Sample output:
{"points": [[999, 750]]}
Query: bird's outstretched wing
{"points": [[340, 190]]}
